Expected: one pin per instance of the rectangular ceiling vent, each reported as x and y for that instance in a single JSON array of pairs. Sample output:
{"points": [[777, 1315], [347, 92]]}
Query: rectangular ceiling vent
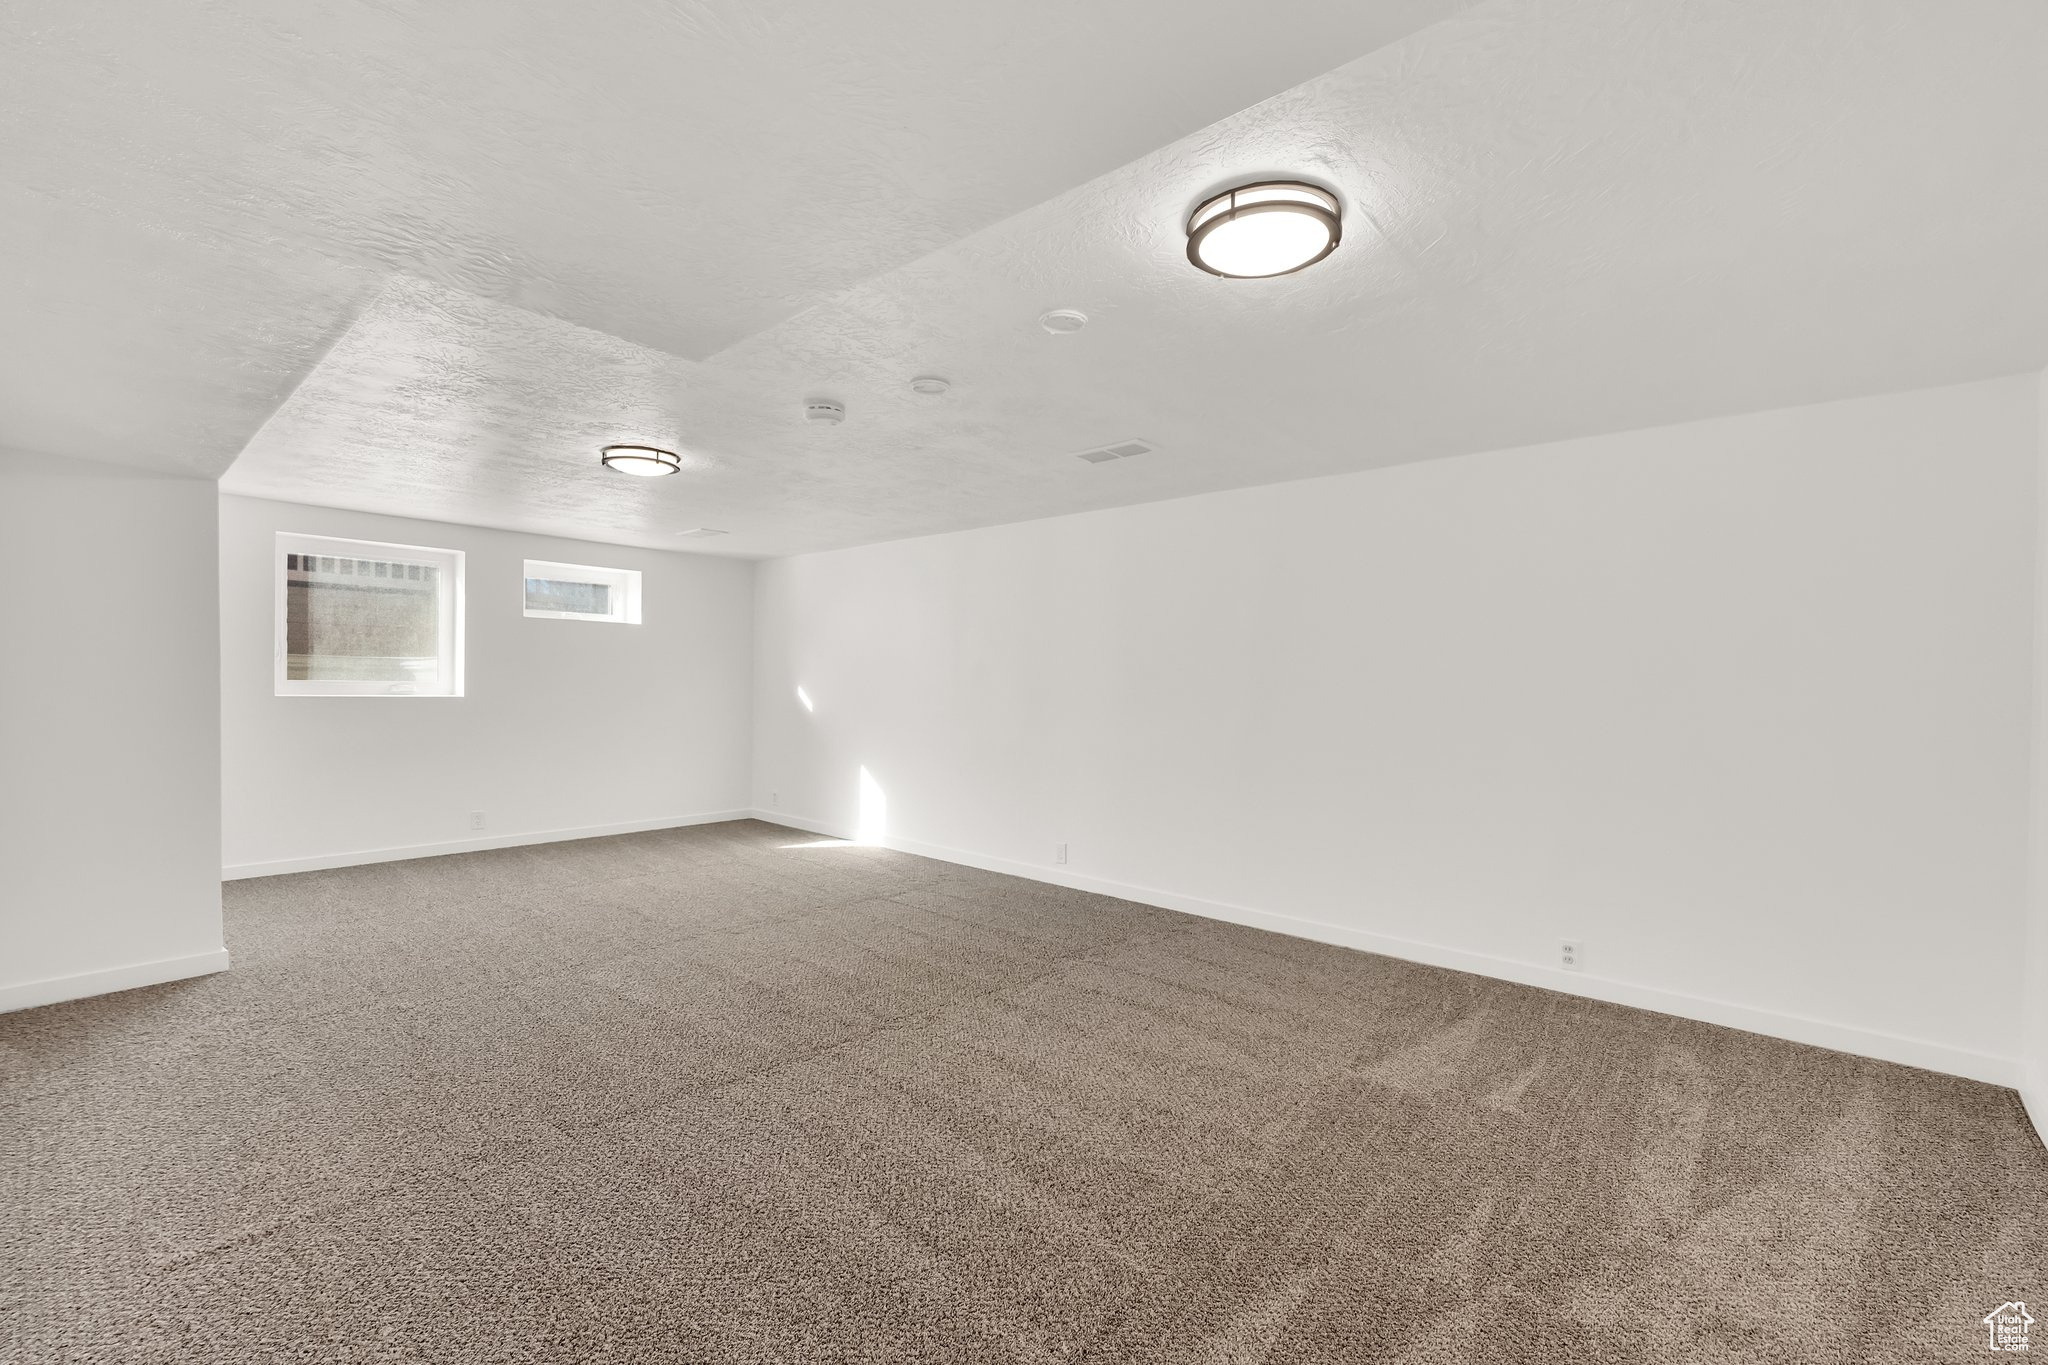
{"points": [[700, 533], [1122, 450]]}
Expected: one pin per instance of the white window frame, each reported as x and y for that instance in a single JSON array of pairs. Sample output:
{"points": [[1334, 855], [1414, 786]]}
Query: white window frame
{"points": [[449, 662], [624, 583]]}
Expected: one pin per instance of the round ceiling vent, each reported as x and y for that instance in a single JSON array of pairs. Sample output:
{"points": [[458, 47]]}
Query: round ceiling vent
{"points": [[930, 385], [825, 410], [1063, 321]]}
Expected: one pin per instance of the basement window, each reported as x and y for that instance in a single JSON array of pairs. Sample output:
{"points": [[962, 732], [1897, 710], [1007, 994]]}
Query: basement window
{"points": [[359, 618], [582, 592]]}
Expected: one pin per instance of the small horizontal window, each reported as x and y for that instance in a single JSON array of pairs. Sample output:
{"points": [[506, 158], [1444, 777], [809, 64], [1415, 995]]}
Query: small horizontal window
{"points": [[358, 618], [581, 592]]}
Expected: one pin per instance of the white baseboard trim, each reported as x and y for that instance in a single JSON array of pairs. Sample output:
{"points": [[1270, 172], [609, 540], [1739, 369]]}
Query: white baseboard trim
{"points": [[2033, 1088], [809, 826], [1888, 1047], [24, 995], [320, 862]]}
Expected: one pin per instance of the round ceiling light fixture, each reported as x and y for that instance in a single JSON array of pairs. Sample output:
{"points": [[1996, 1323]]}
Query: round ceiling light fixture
{"points": [[646, 461], [1063, 321], [1257, 231], [930, 385]]}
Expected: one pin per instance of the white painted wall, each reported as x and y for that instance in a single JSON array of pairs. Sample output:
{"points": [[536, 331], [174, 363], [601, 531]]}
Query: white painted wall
{"points": [[568, 727], [1743, 704], [109, 731]]}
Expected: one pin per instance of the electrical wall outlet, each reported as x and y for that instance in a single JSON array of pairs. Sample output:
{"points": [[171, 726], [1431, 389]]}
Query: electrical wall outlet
{"points": [[476, 819], [1571, 955], [1059, 853]]}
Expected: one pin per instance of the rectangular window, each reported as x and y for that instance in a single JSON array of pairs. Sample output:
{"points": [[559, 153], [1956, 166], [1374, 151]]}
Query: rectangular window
{"points": [[580, 592], [357, 618]]}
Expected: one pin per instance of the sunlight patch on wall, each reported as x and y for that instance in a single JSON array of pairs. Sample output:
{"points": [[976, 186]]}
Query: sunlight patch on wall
{"points": [[874, 810]]}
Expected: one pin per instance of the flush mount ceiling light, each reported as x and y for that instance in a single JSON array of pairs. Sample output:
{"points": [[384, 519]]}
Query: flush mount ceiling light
{"points": [[1063, 321], [645, 461], [1273, 227]]}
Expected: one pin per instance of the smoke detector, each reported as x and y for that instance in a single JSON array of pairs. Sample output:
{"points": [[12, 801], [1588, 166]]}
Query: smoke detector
{"points": [[930, 385], [1122, 450], [1063, 321], [825, 410]]}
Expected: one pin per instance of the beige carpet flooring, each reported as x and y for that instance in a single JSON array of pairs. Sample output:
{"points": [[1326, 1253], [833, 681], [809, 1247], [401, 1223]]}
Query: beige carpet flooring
{"points": [[729, 1095]]}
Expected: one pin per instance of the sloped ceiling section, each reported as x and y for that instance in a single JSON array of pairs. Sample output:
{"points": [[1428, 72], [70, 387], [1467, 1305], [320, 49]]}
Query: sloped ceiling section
{"points": [[1563, 216]]}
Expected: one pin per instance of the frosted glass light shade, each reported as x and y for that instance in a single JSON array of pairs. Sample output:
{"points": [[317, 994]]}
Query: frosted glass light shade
{"points": [[646, 461], [1271, 228]]}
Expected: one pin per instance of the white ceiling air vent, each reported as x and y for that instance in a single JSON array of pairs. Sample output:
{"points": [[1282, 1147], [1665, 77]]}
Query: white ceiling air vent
{"points": [[825, 410], [698, 533], [1122, 450]]}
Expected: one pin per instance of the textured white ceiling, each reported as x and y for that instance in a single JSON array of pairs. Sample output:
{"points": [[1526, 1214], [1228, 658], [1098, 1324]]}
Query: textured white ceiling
{"points": [[1563, 216], [197, 198]]}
